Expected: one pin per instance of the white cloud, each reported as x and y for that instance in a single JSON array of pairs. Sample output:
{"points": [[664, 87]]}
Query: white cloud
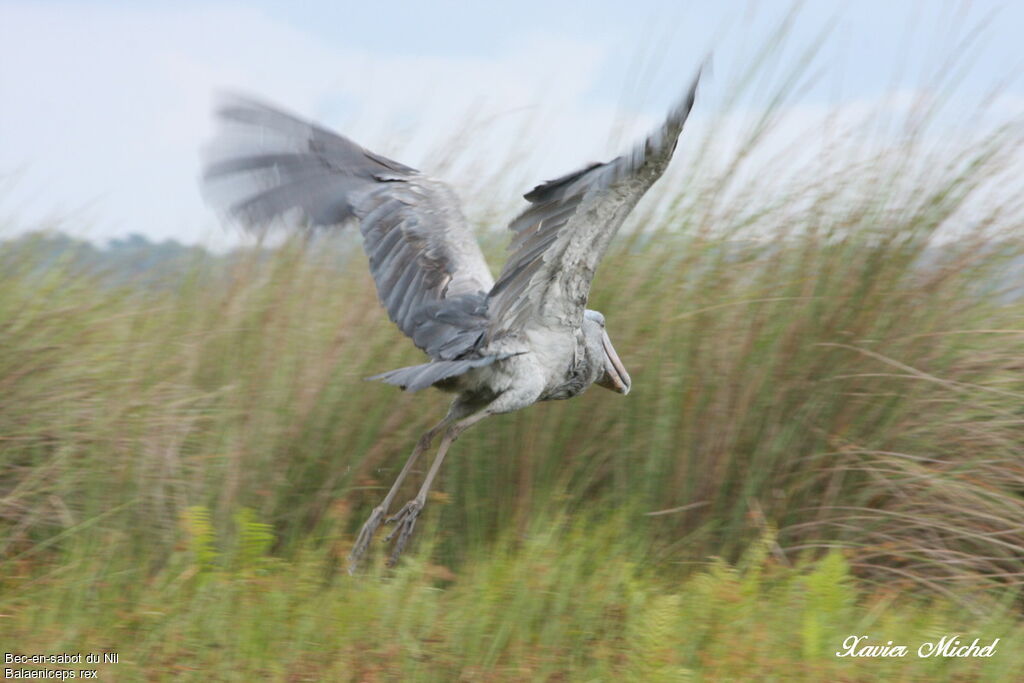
{"points": [[111, 106], [107, 108]]}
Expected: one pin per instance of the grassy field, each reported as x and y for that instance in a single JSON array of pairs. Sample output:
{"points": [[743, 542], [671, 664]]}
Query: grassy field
{"points": [[824, 439]]}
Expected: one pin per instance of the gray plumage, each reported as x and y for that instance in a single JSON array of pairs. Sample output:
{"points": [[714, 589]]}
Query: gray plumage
{"points": [[562, 236], [426, 263], [499, 346]]}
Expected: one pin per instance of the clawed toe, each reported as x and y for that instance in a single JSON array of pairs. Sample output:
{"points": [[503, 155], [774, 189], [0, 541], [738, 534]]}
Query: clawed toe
{"points": [[405, 521], [412, 508], [365, 536]]}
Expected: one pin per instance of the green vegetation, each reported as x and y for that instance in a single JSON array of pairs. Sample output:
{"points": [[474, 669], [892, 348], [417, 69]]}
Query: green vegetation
{"points": [[568, 601], [827, 397]]}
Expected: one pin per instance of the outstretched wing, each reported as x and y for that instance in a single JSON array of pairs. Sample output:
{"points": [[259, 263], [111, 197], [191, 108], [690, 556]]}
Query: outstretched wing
{"points": [[561, 237], [428, 268]]}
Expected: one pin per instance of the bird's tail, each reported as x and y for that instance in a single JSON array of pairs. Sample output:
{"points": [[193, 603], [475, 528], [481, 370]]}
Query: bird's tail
{"points": [[416, 377]]}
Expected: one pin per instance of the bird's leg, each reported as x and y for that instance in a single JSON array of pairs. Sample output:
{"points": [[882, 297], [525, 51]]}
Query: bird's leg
{"points": [[377, 516], [410, 512]]}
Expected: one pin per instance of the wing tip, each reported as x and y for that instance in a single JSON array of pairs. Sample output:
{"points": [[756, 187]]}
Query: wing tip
{"points": [[679, 113]]}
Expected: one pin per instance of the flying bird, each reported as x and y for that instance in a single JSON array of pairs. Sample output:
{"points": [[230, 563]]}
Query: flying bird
{"points": [[499, 346]]}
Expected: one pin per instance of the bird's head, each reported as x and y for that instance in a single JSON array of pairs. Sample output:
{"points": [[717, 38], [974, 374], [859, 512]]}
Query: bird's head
{"points": [[613, 374]]}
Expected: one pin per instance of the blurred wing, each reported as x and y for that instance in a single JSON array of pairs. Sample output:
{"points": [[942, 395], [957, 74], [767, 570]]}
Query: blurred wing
{"points": [[428, 268], [560, 239]]}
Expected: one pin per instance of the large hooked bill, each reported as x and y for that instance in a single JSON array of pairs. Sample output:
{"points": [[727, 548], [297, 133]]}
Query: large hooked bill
{"points": [[615, 376]]}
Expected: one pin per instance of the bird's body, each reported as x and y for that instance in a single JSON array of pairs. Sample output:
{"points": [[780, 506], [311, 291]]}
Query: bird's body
{"points": [[499, 346], [543, 365]]}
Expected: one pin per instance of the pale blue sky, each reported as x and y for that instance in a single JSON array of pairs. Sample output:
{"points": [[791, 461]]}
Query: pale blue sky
{"points": [[869, 36], [106, 104]]}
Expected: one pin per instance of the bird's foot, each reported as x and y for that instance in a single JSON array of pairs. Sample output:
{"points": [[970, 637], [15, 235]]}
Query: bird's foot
{"points": [[405, 519], [365, 536]]}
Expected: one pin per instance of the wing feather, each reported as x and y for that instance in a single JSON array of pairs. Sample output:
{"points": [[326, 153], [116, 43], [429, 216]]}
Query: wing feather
{"points": [[560, 238], [428, 268]]}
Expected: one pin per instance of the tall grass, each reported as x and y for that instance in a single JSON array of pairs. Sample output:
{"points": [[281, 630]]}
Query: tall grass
{"points": [[850, 382], [553, 606], [828, 353]]}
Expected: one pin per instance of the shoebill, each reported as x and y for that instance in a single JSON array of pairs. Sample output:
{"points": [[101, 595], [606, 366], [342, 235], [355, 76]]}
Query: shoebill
{"points": [[497, 345]]}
